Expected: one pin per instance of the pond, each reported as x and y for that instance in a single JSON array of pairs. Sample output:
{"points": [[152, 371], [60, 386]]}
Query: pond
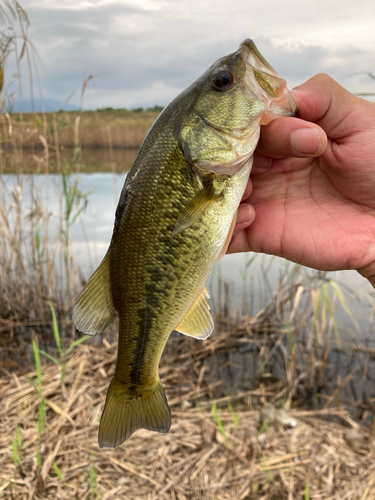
{"points": [[92, 231], [248, 282]]}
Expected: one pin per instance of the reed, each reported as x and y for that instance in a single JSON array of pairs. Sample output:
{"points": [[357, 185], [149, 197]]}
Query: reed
{"points": [[289, 354], [37, 264], [196, 459], [119, 129]]}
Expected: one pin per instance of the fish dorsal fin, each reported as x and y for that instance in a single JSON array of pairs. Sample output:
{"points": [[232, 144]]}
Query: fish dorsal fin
{"points": [[198, 322], [195, 208], [94, 309], [229, 237]]}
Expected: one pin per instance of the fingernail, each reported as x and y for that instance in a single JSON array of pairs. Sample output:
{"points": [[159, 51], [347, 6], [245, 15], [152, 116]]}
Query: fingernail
{"points": [[245, 213], [261, 161], [306, 141]]}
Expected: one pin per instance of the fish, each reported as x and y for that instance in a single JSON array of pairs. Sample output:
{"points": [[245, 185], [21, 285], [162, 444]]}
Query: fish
{"points": [[174, 220]]}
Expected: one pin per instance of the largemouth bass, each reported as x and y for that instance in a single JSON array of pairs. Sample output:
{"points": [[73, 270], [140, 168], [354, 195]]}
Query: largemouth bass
{"points": [[175, 218]]}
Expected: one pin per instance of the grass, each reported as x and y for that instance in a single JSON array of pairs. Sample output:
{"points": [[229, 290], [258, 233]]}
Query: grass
{"points": [[108, 140], [41, 414], [118, 129], [37, 262], [63, 352], [289, 353], [283, 356], [194, 460], [218, 421]]}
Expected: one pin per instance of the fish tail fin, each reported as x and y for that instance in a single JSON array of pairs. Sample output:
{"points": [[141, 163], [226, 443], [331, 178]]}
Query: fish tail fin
{"points": [[124, 413]]}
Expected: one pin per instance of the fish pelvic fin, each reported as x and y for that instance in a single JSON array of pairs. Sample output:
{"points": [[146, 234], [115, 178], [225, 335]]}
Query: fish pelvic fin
{"points": [[94, 309], [198, 322], [125, 412], [195, 209]]}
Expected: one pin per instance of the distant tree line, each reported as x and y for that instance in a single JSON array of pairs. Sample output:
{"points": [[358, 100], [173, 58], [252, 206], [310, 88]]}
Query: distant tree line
{"points": [[154, 109]]}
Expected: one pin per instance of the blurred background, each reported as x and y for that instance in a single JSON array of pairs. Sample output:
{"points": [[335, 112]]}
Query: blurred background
{"points": [[144, 52], [279, 401]]}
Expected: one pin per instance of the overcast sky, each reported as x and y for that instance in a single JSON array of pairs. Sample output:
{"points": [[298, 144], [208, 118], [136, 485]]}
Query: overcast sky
{"points": [[147, 51]]}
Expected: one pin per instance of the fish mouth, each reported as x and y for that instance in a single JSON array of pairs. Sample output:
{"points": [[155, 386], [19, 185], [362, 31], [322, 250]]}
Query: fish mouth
{"points": [[262, 80]]}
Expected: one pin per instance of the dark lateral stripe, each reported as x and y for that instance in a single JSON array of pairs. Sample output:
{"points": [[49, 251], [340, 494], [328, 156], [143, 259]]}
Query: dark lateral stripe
{"points": [[146, 316]]}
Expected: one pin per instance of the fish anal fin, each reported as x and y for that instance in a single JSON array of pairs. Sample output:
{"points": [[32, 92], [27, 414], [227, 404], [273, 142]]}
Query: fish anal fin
{"points": [[198, 322], [94, 309], [124, 413], [195, 208], [229, 237]]}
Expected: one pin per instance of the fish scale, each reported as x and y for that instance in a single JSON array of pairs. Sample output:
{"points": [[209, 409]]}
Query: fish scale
{"points": [[166, 286], [174, 219]]}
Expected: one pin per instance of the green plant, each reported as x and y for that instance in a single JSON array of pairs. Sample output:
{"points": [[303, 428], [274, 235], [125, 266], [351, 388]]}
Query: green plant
{"points": [[17, 445], [235, 415], [92, 481], [270, 474], [61, 363], [324, 309], [74, 203], [218, 421], [41, 406], [271, 477], [264, 427], [307, 494], [58, 472], [38, 388]]}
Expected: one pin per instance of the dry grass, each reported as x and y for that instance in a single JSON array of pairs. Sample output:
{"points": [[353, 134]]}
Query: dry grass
{"points": [[219, 446], [108, 141], [284, 356], [108, 129], [280, 357], [204, 456], [289, 354]]}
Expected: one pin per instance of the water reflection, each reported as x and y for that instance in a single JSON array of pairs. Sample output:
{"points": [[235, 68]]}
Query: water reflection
{"points": [[250, 287]]}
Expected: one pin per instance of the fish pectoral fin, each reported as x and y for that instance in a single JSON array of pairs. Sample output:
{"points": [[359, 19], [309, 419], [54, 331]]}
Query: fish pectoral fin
{"points": [[229, 237], [94, 309], [198, 322], [195, 208], [124, 413]]}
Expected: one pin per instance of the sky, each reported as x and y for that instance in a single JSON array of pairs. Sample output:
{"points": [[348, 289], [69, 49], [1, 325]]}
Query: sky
{"points": [[144, 52]]}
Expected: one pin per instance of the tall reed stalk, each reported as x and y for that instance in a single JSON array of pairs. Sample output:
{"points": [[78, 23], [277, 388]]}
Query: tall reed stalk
{"points": [[37, 264]]}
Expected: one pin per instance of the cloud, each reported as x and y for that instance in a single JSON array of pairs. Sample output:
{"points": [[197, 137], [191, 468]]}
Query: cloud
{"points": [[147, 51]]}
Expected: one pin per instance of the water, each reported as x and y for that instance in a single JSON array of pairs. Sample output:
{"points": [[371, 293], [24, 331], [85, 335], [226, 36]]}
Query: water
{"points": [[91, 234], [92, 231]]}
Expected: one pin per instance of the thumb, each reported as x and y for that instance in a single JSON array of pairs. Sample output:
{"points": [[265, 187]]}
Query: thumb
{"points": [[323, 107], [290, 137], [325, 102]]}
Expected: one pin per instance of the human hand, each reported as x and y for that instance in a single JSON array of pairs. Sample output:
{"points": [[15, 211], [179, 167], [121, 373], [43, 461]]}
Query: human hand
{"points": [[312, 189]]}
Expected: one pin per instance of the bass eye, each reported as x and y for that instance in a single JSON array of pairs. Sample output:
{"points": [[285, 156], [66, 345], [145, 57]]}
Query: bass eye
{"points": [[222, 79]]}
